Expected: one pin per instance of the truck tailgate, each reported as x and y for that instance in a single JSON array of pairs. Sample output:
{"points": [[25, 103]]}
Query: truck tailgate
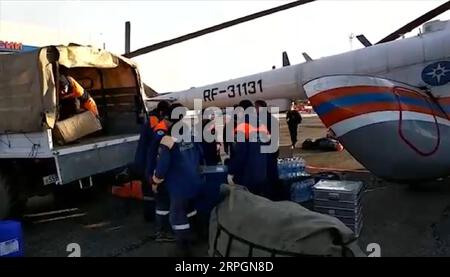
{"points": [[90, 158]]}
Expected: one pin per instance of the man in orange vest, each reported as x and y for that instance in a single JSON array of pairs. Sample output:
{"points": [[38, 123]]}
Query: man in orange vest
{"points": [[70, 88], [146, 153], [248, 165]]}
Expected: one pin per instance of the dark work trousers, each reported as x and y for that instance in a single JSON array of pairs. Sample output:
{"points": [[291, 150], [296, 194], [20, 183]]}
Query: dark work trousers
{"points": [[293, 132], [148, 200], [181, 214], [162, 209]]}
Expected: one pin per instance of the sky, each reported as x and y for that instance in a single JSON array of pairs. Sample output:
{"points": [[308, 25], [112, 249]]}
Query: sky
{"points": [[320, 28]]}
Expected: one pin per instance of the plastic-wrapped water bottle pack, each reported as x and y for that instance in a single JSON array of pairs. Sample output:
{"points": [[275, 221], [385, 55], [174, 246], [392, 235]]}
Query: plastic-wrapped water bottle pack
{"points": [[302, 191], [291, 168]]}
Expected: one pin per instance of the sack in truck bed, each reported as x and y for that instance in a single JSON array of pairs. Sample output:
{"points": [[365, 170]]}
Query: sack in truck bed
{"points": [[244, 225], [75, 127]]}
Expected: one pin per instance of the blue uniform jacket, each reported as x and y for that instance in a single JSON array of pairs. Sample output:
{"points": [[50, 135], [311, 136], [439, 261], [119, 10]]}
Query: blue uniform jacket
{"points": [[146, 135], [152, 151], [140, 156], [249, 166], [178, 166]]}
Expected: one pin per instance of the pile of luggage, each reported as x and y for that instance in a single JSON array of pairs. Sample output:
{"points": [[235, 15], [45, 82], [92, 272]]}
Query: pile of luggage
{"points": [[285, 229], [322, 144], [322, 192], [327, 222]]}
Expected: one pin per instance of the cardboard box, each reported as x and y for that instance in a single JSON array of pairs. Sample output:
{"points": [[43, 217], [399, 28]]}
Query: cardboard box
{"points": [[76, 127]]}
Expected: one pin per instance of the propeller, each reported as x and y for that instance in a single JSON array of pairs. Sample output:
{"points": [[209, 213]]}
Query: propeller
{"points": [[214, 28], [307, 57], [364, 41], [416, 22], [286, 61]]}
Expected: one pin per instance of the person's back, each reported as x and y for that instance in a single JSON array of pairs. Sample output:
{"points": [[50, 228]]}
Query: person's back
{"points": [[183, 176], [265, 123], [178, 173], [140, 157], [159, 131], [248, 166], [210, 151], [70, 88], [152, 130], [146, 134]]}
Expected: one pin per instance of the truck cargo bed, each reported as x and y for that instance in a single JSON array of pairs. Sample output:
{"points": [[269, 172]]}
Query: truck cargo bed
{"points": [[91, 156], [94, 141]]}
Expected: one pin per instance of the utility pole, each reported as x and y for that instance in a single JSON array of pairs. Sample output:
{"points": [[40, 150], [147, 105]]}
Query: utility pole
{"points": [[127, 37], [102, 41]]}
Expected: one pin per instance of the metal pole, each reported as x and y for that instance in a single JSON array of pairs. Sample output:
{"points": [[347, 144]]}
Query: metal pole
{"points": [[127, 36]]}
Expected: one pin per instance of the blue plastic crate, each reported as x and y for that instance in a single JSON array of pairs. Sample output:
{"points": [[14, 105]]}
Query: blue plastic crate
{"points": [[213, 177], [11, 239]]}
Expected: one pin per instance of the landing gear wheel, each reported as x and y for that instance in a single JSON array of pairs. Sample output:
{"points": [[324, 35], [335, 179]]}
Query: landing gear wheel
{"points": [[5, 197]]}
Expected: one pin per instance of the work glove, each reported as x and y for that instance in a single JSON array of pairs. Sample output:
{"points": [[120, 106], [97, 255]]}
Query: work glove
{"points": [[230, 179], [155, 188]]}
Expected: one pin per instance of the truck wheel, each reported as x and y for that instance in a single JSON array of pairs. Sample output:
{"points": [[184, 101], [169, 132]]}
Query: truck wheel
{"points": [[5, 197]]}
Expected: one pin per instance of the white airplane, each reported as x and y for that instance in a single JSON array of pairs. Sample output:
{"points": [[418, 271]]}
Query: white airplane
{"points": [[387, 103]]}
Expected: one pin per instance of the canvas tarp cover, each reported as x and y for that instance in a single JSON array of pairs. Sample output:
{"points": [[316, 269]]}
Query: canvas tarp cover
{"points": [[244, 225], [24, 93], [81, 56], [27, 83]]}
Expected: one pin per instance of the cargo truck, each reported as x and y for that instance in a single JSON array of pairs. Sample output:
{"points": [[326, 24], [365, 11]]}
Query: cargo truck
{"points": [[31, 159]]}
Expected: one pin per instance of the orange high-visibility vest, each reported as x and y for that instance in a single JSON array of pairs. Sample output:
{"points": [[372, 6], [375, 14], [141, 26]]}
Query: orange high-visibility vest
{"points": [[77, 91], [153, 120], [247, 129], [161, 126]]}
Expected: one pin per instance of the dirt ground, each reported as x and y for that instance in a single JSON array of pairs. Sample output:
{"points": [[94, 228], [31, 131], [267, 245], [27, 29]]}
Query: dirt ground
{"points": [[313, 128]]}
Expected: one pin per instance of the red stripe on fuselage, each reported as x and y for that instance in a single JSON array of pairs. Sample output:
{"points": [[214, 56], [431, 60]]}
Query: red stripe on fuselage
{"points": [[340, 114]]}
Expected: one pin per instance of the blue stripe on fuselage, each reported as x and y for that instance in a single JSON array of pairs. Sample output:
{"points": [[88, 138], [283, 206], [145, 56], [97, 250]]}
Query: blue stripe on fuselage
{"points": [[373, 98]]}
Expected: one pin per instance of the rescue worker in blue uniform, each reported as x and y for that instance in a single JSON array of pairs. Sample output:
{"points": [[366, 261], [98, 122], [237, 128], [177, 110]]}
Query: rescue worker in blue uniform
{"points": [[145, 155], [146, 133], [227, 127], [162, 202], [211, 150], [177, 175], [272, 161], [248, 166]]}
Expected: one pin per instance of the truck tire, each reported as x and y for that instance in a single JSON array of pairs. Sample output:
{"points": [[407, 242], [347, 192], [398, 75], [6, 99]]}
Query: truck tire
{"points": [[5, 197]]}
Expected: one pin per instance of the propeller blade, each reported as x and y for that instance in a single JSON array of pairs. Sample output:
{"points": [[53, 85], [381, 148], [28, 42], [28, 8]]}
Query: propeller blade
{"points": [[307, 57], [416, 22], [364, 41], [214, 28], [286, 61]]}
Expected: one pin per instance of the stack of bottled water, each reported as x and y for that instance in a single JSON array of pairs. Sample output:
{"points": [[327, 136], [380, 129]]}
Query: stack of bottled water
{"points": [[302, 191], [291, 168]]}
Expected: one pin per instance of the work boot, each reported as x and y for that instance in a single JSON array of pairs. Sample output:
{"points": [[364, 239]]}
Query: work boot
{"points": [[182, 250], [186, 253], [164, 237]]}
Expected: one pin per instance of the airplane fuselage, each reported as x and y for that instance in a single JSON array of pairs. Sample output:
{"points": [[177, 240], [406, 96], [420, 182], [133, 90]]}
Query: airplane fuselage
{"points": [[402, 60]]}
